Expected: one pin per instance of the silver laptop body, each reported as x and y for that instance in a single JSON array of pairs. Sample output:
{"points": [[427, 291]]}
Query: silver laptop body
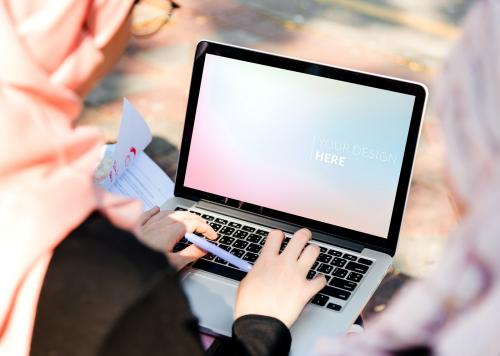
{"points": [[354, 261]]}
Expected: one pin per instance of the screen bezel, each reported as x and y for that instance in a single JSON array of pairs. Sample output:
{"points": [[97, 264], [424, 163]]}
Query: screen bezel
{"points": [[388, 244]]}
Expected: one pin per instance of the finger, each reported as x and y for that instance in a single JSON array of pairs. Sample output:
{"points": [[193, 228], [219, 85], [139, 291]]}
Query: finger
{"points": [[200, 227], [273, 243], [145, 216], [182, 215], [309, 255], [184, 257], [314, 286], [297, 243]]}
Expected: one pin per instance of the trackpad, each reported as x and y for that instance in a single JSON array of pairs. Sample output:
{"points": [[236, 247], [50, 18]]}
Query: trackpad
{"points": [[212, 300]]}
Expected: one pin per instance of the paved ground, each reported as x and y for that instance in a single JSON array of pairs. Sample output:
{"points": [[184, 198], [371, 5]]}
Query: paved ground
{"points": [[407, 38]]}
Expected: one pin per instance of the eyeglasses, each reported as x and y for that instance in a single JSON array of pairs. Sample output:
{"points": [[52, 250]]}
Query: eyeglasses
{"points": [[149, 16]]}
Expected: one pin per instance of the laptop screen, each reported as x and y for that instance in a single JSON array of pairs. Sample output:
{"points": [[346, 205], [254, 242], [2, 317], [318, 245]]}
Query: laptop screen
{"points": [[319, 148]]}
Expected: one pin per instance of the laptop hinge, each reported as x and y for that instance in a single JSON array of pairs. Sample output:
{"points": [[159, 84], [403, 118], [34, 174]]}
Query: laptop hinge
{"points": [[278, 224]]}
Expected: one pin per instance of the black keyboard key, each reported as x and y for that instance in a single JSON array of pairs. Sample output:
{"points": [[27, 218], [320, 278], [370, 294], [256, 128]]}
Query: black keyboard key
{"points": [[350, 257], [208, 257], [254, 238], [240, 244], [215, 226], [179, 246], [334, 306], [226, 230], [226, 240], [208, 217], [356, 267], [322, 249], [336, 293], [355, 277], [255, 248], [261, 232], [311, 274], [315, 265], [235, 225], [365, 261], [323, 257], [320, 300], [195, 212], [248, 228], [225, 247], [324, 268], [339, 272], [180, 209], [342, 283], [335, 253], [263, 241], [237, 252], [250, 257], [221, 261], [338, 262], [220, 270], [221, 221], [240, 234]]}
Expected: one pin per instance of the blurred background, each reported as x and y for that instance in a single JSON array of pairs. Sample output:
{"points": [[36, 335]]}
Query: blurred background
{"points": [[407, 39]]}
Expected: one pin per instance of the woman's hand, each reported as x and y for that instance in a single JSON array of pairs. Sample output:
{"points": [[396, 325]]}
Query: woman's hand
{"points": [[161, 230], [277, 285]]}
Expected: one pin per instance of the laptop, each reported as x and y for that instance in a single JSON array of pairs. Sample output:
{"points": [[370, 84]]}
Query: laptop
{"points": [[272, 142]]}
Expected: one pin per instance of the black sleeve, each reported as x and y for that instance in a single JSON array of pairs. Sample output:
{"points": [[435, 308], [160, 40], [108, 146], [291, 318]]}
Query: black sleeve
{"points": [[258, 335]]}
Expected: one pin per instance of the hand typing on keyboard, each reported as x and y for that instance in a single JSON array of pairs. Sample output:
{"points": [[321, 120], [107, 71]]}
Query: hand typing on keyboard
{"points": [[162, 230], [277, 285]]}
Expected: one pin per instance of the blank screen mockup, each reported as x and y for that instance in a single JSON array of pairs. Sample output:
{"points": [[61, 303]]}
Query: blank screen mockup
{"points": [[315, 147]]}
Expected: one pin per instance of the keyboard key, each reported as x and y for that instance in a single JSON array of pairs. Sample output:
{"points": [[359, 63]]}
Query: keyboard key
{"points": [[226, 230], [237, 252], [221, 221], [323, 257], [342, 283], [338, 262], [323, 249], [263, 241], [350, 257], [311, 274], [240, 234], [234, 224], [319, 299], [324, 268], [353, 276], [356, 267], [179, 246], [220, 270], [180, 209], [255, 248], [315, 265], [339, 272], [327, 277], [334, 306], [254, 238], [248, 228], [208, 257], [240, 244], [365, 261], [221, 261], [225, 247], [261, 232], [336, 293], [208, 217], [335, 253], [227, 240], [215, 226], [195, 212], [250, 257]]}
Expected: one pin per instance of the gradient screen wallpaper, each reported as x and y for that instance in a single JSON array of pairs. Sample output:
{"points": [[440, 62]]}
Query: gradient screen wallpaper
{"points": [[319, 148]]}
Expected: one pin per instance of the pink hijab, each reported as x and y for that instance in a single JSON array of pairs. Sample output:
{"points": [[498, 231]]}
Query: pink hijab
{"points": [[49, 48]]}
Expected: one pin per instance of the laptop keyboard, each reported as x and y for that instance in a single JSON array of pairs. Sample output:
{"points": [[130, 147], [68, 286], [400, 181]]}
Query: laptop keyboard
{"points": [[343, 270]]}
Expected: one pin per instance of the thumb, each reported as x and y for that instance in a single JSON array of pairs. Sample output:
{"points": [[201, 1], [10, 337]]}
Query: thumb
{"points": [[145, 216], [184, 257]]}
